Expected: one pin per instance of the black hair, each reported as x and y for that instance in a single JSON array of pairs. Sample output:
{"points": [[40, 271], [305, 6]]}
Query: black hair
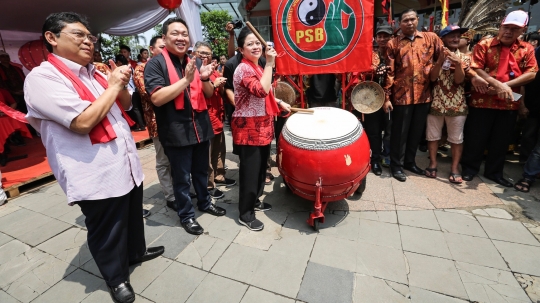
{"points": [[173, 20], [242, 36], [142, 50], [534, 37], [409, 10], [121, 58], [215, 57], [56, 22], [153, 41], [123, 46]]}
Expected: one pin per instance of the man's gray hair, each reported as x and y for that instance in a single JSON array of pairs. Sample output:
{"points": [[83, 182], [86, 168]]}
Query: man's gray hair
{"points": [[201, 43]]}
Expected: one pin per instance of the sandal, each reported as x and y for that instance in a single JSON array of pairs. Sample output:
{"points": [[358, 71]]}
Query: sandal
{"points": [[453, 178], [524, 185], [431, 172]]}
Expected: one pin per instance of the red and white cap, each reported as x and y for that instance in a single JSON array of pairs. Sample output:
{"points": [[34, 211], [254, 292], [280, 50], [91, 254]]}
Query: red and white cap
{"points": [[519, 18]]}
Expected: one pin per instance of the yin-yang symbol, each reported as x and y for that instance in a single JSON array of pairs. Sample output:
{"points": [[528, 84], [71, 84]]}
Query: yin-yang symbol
{"points": [[311, 12]]}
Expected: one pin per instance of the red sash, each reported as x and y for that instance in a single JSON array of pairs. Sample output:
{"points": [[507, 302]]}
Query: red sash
{"points": [[103, 132], [507, 64], [10, 112], [272, 108], [195, 93]]}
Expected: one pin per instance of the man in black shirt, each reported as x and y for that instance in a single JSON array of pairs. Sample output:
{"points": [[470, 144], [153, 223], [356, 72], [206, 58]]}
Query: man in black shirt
{"points": [[321, 91], [178, 93]]}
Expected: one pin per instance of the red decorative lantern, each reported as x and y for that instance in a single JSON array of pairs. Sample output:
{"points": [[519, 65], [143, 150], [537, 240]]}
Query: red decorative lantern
{"points": [[170, 4], [32, 53]]}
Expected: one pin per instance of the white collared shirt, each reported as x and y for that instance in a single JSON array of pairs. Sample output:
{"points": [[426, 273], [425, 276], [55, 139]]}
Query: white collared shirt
{"points": [[84, 171]]}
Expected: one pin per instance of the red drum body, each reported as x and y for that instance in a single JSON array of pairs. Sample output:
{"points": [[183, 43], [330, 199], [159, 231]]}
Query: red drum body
{"points": [[323, 157]]}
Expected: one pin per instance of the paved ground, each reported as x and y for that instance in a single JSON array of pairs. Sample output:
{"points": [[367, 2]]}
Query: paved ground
{"points": [[419, 241]]}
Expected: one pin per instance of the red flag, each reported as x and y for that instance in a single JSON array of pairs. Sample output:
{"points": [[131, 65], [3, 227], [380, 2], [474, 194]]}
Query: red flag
{"points": [[324, 36], [386, 5]]}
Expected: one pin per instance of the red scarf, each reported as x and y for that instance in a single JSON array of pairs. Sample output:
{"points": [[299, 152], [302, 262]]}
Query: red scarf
{"points": [[272, 108], [195, 92], [10, 112], [103, 132], [507, 64], [17, 68]]}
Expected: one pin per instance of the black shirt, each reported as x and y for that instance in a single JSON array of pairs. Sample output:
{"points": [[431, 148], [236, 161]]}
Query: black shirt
{"points": [[175, 127], [321, 88], [532, 90]]}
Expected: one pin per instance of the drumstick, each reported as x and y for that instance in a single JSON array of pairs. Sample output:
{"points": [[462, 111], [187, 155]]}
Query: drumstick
{"points": [[256, 33], [302, 110]]}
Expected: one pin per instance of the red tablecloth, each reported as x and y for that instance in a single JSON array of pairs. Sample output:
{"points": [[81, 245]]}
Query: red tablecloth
{"points": [[8, 126]]}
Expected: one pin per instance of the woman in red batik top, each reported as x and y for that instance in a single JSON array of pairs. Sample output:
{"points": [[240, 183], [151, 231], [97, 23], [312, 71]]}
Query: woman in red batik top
{"points": [[253, 124]]}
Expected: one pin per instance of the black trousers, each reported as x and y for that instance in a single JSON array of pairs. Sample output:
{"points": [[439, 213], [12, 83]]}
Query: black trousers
{"points": [[186, 161], [489, 129], [136, 112], [115, 233], [408, 122], [252, 175], [529, 136], [375, 124]]}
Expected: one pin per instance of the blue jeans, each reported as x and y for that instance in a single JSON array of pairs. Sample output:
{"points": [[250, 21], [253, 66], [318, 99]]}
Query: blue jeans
{"points": [[186, 161]]}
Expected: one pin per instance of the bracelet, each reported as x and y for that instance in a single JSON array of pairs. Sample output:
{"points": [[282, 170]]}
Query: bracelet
{"points": [[279, 102], [205, 80]]}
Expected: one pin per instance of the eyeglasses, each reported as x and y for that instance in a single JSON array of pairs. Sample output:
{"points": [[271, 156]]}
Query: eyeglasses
{"points": [[204, 54], [80, 37]]}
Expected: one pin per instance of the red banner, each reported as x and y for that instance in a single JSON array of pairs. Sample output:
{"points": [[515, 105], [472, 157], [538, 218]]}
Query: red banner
{"points": [[322, 36]]}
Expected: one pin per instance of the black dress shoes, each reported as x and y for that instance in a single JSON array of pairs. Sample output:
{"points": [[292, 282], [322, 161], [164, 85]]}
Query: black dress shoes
{"points": [[376, 168], [399, 175], [192, 227], [467, 177], [122, 293], [172, 205], [214, 210], [151, 253], [415, 169], [500, 180]]}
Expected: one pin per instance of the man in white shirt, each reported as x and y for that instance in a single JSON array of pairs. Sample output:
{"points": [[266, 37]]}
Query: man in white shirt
{"points": [[81, 117]]}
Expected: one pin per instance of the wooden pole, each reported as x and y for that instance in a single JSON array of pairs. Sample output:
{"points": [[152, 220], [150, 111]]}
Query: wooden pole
{"points": [[256, 33]]}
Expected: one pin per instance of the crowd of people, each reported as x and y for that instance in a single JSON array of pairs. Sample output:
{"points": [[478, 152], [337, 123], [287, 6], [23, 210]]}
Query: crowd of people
{"points": [[437, 89]]}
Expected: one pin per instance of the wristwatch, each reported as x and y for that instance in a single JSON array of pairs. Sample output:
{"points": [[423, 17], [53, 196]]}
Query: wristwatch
{"points": [[205, 80]]}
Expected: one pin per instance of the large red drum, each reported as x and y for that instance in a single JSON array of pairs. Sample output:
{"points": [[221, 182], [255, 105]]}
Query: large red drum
{"points": [[323, 157]]}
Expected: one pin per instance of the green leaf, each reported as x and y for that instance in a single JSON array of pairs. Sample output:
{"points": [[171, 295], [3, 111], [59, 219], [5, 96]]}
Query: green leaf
{"points": [[213, 26]]}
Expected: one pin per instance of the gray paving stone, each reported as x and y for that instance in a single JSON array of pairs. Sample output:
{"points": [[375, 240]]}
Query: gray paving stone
{"points": [[263, 239], [91, 267], [379, 233], [39, 201], [227, 227], [39, 279], [270, 273], [506, 230], [474, 250], [102, 295], [69, 246], [335, 252], [435, 274], [203, 252], [175, 284], [520, 258], [4, 239], [480, 212], [73, 288], [164, 220], [174, 240], [381, 262], [20, 265], [424, 241], [8, 208], [498, 213], [419, 295], [381, 216], [459, 224], [213, 287], [153, 230], [419, 218], [23, 221], [238, 263], [484, 284], [326, 284], [74, 217], [11, 250], [5, 298], [141, 275], [294, 242], [257, 295], [372, 290], [50, 229], [458, 211], [346, 227]]}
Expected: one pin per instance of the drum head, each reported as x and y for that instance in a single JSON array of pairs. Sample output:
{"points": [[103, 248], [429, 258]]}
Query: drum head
{"points": [[367, 97], [285, 92], [327, 128]]}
